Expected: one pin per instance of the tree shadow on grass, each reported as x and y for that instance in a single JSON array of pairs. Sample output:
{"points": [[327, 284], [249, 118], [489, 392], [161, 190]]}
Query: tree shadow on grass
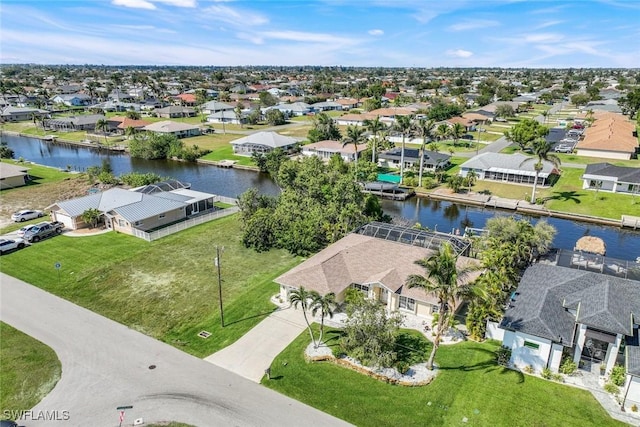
{"points": [[265, 314], [566, 196]]}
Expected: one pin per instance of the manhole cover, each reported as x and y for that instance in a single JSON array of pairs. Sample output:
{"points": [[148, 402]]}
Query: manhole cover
{"points": [[152, 366], [204, 334]]}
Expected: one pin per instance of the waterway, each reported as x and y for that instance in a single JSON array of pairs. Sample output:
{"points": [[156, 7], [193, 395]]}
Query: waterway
{"points": [[441, 215]]}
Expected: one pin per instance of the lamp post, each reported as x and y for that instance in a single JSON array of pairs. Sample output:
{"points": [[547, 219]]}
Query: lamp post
{"points": [[217, 264]]}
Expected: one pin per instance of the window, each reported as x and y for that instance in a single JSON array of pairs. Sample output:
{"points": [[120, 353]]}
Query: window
{"points": [[139, 223], [531, 345], [121, 222], [362, 288], [435, 309], [407, 303], [160, 216]]}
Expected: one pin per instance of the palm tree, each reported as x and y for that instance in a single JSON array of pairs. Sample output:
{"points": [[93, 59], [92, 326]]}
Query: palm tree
{"points": [[442, 131], [301, 296], [130, 132], [103, 125], [457, 130], [238, 112], [447, 281], [403, 125], [471, 178], [544, 115], [425, 130], [355, 136], [325, 304], [376, 127], [541, 149]]}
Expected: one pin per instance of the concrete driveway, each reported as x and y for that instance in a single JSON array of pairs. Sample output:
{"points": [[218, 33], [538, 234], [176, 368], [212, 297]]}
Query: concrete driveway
{"points": [[106, 365], [254, 352]]}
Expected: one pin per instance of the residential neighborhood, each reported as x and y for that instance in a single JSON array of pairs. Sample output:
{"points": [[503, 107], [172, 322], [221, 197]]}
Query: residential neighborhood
{"points": [[206, 221]]}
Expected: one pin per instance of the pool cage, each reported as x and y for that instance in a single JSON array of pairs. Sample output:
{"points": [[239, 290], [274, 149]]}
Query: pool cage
{"points": [[416, 237]]}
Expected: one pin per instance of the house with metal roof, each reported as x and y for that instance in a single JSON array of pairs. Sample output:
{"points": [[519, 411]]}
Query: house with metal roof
{"points": [[12, 176], [144, 209], [432, 160], [587, 315], [327, 149], [608, 177], [262, 142], [180, 130], [511, 168]]}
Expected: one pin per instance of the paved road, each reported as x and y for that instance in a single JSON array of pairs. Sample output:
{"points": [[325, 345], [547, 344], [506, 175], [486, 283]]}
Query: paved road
{"points": [[106, 364], [254, 352]]}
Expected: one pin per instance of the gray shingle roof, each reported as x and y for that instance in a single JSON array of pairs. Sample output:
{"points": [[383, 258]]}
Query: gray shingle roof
{"points": [[512, 162], [547, 292], [413, 154], [623, 173]]}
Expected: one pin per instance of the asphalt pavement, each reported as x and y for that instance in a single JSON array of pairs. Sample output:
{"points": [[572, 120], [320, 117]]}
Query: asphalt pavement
{"points": [[106, 365]]}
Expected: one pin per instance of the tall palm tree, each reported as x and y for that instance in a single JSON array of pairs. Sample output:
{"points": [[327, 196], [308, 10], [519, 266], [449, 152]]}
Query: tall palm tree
{"points": [[301, 297], [376, 127], [403, 124], [457, 130], [447, 281], [471, 178], [325, 304], [425, 129], [541, 149], [355, 136], [442, 131], [103, 125]]}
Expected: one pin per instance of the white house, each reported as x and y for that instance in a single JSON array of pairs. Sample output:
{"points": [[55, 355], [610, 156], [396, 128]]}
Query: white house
{"points": [[262, 142], [327, 149], [180, 130], [608, 177], [512, 168]]}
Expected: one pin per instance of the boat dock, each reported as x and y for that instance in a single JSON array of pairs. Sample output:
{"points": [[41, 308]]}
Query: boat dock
{"points": [[630, 221], [392, 195]]}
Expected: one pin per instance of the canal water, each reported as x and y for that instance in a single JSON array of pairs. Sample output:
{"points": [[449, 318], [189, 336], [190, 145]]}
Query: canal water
{"points": [[440, 215]]}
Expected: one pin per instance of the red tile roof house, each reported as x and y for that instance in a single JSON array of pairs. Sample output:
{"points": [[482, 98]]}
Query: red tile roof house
{"points": [[121, 124], [610, 136], [187, 99]]}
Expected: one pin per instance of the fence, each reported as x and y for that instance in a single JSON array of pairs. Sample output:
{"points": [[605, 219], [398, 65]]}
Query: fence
{"points": [[191, 222]]}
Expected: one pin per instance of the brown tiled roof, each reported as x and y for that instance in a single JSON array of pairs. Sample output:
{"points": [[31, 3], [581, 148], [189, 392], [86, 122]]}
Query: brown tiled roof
{"points": [[336, 146], [462, 120], [609, 132], [126, 122], [391, 111], [347, 101], [362, 259], [357, 117], [475, 117]]}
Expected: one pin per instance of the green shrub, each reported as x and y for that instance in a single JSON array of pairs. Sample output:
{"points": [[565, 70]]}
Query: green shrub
{"points": [[634, 408], [403, 367], [618, 375], [611, 388], [410, 181], [546, 373], [503, 355], [529, 369], [557, 377], [568, 367], [429, 183]]}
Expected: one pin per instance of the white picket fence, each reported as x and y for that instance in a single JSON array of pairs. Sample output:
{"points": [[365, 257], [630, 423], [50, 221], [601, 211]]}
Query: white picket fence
{"points": [[191, 222]]}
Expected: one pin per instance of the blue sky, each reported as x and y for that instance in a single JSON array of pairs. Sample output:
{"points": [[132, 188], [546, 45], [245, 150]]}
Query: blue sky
{"points": [[405, 33]]}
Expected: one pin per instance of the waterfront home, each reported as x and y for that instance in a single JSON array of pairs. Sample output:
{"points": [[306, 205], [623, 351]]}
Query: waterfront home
{"points": [[74, 123], [262, 143], [19, 114], [175, 111], [327, 149], [432, 160], [72, 100], [608, 177], [213, 107], [12, 176], [146, 208], [376, 260], [180, 130], [511, 168]]}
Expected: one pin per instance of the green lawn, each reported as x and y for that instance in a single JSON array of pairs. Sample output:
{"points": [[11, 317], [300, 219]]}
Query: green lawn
{"points": [[567, 195], [167, 288], [226, 153], [470, 385], [28, 370]]}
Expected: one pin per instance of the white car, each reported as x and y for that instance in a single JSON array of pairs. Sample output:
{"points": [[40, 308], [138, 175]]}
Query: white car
{"points": [[26, 215], [25, 229], [8, 245]]}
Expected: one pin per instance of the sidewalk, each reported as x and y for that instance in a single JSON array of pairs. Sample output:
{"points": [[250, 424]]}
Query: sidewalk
{"points": [[254, 352]]}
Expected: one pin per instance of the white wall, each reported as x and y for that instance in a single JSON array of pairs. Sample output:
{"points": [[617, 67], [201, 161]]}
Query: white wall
{"points": [[555, 358], [493, 332], [633, 395], [606, 185], [604, 154], [522, 356]]}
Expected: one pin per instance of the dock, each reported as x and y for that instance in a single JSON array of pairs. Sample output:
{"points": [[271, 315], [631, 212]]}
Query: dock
{"points": [[630, 221], [226, 163], [391, 195]]}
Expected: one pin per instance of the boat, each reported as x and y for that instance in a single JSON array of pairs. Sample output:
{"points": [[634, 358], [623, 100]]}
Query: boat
{"points": [[49, 137]]}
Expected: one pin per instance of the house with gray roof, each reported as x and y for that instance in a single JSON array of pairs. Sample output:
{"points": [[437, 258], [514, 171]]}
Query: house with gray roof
{"points": [[608, 177], [432, 160], [558, 310], [74, 123], [168, 127], [12, 176], [143, 209], [511, 168], [262, 143], [175, 111], [18, 114]]}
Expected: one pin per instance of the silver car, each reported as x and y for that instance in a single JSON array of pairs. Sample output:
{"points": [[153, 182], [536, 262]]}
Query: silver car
{"points": [[26, 215]]}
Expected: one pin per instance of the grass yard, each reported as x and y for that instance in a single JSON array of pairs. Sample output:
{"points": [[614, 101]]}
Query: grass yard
{"points": [[567, 195], [226, 153], [166, 289], [28, 370], [469, 385]]}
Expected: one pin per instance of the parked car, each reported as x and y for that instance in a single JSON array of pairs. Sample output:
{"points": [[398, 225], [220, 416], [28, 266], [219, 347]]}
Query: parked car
{"points": [[43, 230], [26, 215], [25, 229], [8, 245], [500, 119], [563, 149]]}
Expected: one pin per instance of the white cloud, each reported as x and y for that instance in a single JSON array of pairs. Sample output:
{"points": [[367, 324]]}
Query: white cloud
{"points": [[376, 32], [178, 3], [543, 38], [234, 16], [135, 4], [473, 25], [548, 24], [253, 38], [459, 53], [299, 36]]}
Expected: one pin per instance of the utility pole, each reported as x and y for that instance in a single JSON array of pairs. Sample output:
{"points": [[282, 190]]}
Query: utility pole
{"points": [[217, 263]]}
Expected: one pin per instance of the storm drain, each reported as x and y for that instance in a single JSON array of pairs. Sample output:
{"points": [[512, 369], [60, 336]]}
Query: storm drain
{"points": [[204, 334]]}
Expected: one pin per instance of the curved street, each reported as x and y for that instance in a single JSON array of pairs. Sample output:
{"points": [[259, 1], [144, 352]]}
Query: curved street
{"points": [[106, 365]]}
